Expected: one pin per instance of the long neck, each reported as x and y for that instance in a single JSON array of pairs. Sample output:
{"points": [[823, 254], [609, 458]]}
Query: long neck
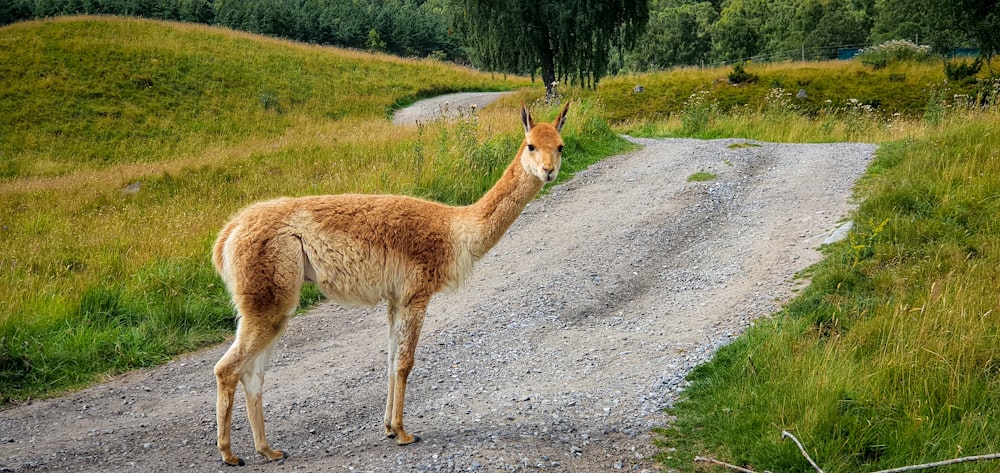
{"points": [[501, 205]]}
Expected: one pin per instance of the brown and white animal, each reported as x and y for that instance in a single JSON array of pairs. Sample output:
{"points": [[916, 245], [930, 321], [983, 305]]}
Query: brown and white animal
{"points": [[360, 250]]}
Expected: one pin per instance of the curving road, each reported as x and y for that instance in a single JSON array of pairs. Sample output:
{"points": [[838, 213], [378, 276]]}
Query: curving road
{"points": [[559, 354]]}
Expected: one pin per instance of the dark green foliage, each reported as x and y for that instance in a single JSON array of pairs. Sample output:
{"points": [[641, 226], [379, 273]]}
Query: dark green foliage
{"points": [[575, 41], [739, 33], [943, 24], [404, 27], [979, 19], [675, 36], [14, 10], [691, 32], [568, 41], [958, 70], [739, 75]]}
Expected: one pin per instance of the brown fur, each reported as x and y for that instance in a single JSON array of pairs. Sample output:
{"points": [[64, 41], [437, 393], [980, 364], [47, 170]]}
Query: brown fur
{"points": [[359, 249]]}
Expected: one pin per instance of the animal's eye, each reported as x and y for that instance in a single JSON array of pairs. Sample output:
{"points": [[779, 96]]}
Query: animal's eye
{"points": [[560, 148], [531, 148]]}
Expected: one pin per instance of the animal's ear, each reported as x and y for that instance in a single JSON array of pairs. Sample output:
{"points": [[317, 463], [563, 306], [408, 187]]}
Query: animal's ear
{"points": [[562, 118], [526, 119]]}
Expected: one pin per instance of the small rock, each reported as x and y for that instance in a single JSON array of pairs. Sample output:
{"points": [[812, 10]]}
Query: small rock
{"points": [[840, 233]]}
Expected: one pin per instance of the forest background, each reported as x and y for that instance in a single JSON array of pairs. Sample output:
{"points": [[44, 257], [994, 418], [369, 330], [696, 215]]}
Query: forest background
{"points": [[678, 32]]}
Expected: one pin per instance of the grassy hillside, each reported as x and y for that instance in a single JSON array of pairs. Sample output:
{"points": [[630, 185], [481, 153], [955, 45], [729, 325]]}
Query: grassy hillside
{"points": [[125, 145], [89, 93], [903, 88], [889, 358]]}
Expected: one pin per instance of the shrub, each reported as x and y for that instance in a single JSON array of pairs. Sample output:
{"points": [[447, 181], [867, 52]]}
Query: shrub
{"points": [[740, 75], [698, 110], [881, 55], [961, 70]]}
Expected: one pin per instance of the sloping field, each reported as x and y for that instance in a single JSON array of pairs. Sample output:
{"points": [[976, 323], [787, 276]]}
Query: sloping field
{"points": [[126, 143]]}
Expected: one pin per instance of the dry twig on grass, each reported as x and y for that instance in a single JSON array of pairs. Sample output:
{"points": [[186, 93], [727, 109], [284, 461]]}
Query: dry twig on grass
{"points": [[922, 466], [727, 465], [785, 433]]}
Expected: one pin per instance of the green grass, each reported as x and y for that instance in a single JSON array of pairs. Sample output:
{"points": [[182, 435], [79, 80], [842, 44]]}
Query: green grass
{"points": [[88, 93], [890, 356], [702, 176], [126, 144], [898, 88], [113, 194]]}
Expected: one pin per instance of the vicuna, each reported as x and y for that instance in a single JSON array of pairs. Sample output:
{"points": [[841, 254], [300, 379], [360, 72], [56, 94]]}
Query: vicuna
{"points": [[360, 250]]}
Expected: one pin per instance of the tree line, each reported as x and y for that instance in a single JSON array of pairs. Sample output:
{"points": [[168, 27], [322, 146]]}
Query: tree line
{"points": [[574, 41], [692, 32], [408, 28]]}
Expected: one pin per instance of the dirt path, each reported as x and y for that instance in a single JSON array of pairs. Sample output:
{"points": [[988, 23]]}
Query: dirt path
{"points": [[558, 355], [448, 106]]}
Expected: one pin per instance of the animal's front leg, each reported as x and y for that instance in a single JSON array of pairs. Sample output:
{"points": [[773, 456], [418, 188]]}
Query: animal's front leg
{"points": [[408, 334], [393, 321]]}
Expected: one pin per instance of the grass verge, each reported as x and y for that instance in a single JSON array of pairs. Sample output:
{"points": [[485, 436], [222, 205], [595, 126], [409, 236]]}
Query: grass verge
{"points": [[889, 357]]}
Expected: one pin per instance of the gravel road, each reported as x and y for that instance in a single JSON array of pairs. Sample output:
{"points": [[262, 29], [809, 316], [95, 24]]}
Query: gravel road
{"points": [[559, 354], [445, 106]]}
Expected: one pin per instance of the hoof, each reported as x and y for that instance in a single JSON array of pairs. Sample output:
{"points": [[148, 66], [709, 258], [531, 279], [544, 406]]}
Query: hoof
{"points": [[416, 438], [275, 456], [239, 462]]}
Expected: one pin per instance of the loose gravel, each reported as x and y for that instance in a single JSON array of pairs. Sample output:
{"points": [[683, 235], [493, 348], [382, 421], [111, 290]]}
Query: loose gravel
{"points": [[559, 354], [445, 106]]}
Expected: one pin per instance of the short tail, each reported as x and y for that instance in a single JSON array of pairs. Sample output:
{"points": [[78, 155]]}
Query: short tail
{"points": [[220, 245]]}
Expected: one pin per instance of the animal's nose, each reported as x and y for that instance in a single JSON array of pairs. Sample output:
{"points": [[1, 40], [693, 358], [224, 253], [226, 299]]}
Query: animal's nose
{"points": [[549, 173]]}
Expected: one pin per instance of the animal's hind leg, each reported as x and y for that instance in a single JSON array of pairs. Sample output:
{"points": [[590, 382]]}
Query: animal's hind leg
{"points": [[245, 362], [253, 386], [265, 298], [227, 376]]}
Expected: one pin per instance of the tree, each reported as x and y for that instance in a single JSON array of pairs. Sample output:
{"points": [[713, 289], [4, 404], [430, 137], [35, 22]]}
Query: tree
{"points": [[564, 39], [919, 21], [197, 11], [739, 34], [980, 19], [825, 23], [944, 24], [676, 35], [15, 10]]}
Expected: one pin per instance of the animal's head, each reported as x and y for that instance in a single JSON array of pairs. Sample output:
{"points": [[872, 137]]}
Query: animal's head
{"points": [[542, 151]]}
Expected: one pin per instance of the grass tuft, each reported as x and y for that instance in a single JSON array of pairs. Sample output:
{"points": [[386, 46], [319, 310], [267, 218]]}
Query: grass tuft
{"points": [[702, 176]]}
